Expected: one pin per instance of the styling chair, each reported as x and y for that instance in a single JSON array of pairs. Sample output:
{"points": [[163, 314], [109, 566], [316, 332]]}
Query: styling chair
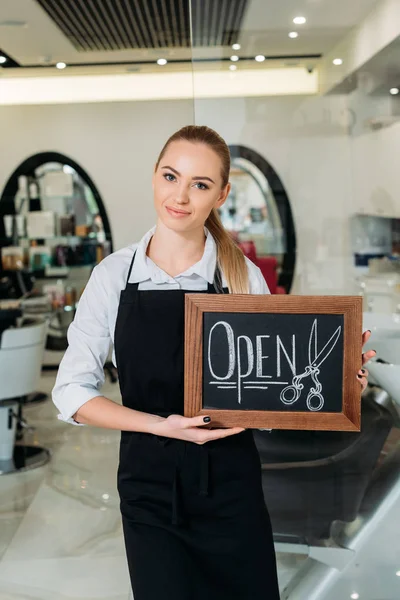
{"points": [[315, 485], [21, 354], [268, 266], [313, 478]]}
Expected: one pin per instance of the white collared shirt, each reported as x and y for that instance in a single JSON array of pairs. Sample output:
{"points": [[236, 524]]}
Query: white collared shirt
{"points": [[81, 375]]}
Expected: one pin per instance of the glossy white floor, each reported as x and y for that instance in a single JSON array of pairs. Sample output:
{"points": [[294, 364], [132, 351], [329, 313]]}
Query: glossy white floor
{"points": [[60, 530]]}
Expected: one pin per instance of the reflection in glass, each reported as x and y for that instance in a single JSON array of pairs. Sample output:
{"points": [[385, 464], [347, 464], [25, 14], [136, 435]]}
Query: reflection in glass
{"points": [[250, 211]]}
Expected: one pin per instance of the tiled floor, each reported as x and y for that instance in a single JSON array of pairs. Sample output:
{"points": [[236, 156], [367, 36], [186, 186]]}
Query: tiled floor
{"points": [[60, 530], [61, 537]]}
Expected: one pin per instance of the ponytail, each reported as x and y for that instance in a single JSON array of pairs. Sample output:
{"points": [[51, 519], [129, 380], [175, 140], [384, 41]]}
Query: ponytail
{"points": [[229, 257]]}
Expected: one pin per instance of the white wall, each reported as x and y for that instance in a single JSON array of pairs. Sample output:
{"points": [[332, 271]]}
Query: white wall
{"points": [[376, 171], [117, 144], [304, 139]]}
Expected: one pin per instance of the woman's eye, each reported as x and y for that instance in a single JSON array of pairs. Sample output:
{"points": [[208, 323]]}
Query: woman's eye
{"points": [[168, 176], [203, 186]]}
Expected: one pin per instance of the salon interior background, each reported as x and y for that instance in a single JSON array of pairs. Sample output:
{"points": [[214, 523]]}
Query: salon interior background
{"points": [[329, 130], [313, 103]]}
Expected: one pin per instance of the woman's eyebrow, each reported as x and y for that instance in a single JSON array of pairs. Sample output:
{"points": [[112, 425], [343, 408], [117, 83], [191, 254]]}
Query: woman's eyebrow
{"points": [[193, 178]]}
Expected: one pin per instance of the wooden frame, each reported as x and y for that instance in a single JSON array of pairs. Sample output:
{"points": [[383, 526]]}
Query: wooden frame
{"points": [[348, 306]]}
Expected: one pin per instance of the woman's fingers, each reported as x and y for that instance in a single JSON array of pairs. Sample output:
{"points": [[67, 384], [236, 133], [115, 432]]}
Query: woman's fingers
{"points": [[371, 353], [365, 336], [367, 356], [362, 378], [216, 434], [190, 429], [196, 421]]}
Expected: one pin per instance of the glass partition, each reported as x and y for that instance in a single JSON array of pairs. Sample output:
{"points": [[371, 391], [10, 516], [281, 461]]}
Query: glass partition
{"points": [[308, 101]]}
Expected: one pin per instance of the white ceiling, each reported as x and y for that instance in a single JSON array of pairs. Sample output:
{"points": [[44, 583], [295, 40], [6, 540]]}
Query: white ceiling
{"points": [[265, 28], [278, 14]]}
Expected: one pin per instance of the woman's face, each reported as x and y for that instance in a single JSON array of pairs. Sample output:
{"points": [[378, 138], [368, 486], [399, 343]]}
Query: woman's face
{"points": [[187, 185]]}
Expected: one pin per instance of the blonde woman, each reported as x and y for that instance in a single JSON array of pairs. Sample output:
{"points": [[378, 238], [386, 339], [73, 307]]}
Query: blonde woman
{"points": [[194, 519]]}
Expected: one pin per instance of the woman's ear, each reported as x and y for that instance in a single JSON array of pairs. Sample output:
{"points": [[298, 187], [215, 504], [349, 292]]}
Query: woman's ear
{"points": [[223, 195]]}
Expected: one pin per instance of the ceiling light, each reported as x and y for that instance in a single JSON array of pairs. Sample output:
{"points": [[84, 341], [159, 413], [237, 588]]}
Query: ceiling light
{"points": [[61, 65], [337, 61], [162, 61], [299, 20], [234, 58], [2, 60], [355, 596], [394, 91], [260, 58], [232, 67], [236, 47], [398, 573], [293, 34]]}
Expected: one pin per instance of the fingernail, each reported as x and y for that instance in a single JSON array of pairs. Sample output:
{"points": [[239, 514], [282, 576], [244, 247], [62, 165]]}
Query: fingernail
{"points": [[374, 351], [362, 370], [369, 330], [207, 419]]}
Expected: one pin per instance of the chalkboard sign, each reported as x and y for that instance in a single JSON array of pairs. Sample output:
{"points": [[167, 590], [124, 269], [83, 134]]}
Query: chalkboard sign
{"points": [[279, 362]]}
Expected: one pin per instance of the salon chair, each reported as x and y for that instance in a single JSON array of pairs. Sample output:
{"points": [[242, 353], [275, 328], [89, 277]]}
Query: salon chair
{"points": [[313, 478], [21, 353], [268, 266]]}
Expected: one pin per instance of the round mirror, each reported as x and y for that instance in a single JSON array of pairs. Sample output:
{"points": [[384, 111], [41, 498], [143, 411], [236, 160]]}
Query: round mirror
{"points": [[258, 215], [53, 230], [54, 183]]}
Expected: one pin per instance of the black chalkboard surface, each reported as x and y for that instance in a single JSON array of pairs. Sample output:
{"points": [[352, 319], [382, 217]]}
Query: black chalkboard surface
{"points": [[274, 361]]}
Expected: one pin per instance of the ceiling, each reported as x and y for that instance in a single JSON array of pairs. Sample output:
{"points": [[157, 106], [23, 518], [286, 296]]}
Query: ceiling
{"points": [[121, 35], [92, 25], [376, 76]]}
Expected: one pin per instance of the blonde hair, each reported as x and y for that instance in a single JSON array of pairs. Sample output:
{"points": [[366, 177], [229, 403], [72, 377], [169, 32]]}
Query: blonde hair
{"points": [[229, 257]]}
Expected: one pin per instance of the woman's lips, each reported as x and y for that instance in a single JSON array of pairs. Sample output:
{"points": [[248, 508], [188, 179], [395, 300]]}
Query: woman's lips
{"points": [[177, 213]]}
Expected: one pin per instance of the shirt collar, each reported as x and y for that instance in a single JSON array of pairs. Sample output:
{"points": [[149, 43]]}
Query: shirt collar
{"points": [[144, 268]]}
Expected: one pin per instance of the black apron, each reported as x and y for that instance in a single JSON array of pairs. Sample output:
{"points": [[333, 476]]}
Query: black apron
{"points": [[194, 519]]}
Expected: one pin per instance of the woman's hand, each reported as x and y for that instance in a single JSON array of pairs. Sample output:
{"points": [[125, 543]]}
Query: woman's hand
{"points": [[190, 429], [363, 373]]}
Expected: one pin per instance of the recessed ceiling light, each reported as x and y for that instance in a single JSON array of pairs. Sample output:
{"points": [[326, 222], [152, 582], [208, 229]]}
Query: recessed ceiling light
{"points": [[236, 47], [355, 596], [2, 60], [398, 573], [394, 92], [234, 58], [260, 58], [162, 61], [299, 20], [338, 61], [232, 67], [293, 34], [61, 65]]}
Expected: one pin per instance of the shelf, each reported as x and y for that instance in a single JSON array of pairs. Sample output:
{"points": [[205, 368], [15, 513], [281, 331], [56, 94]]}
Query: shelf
{"points": [[66, 238], [383, 121], [40, 273]]}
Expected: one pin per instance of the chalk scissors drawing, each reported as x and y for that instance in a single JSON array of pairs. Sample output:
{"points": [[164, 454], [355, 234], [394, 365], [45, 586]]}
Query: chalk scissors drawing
{"points": [[292, 393]]}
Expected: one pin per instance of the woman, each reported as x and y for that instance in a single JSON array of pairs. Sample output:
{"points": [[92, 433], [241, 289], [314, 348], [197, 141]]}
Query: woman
{"points": [[194, 518]]}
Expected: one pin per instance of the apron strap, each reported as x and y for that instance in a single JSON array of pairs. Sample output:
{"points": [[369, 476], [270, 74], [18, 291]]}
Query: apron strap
{"points": [[216, 287], [130, 269]]}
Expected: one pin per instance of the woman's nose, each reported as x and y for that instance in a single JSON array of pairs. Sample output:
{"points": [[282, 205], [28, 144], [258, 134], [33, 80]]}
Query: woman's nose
{"points": [[182, 196]]}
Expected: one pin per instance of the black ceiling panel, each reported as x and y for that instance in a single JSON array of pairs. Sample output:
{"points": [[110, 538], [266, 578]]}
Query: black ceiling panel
{"points": [[93, 25]]}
